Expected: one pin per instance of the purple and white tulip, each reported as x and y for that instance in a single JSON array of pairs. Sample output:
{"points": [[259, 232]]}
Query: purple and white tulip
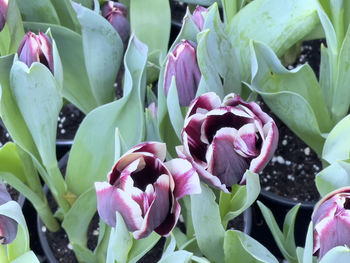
{"points": [[198, 17], [182, 63], [145, 190], [8, 226], [36, 48], [331, 221], [223, 140], [116, 14], [3, 13]]}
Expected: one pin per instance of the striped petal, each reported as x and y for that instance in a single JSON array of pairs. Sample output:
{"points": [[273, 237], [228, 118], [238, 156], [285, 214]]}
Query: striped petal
{"points": [[158, 210], [185, 177], [158, 149], [8, 226], [204, 103], [111, 199]]}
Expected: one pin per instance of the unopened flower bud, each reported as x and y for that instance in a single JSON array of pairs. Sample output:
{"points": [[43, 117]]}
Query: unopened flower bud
{"points": [[3, 12], [182, 63], [197, 16], [36, 48]]}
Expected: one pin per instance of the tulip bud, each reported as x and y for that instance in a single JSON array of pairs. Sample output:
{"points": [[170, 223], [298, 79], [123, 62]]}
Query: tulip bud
{"points": [[224, 139], [182, 63], [116, 14], [153, 110], [197, 16], [3, 12], [331, 221], [8, 226], [36, 48]]}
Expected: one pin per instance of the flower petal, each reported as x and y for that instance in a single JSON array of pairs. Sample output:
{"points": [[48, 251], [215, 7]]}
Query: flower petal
{"points": [[158, 210], [223, 160], [111, 199], [205, 102], [170, 221], [185, 177], [8, 226], [158, 149]]}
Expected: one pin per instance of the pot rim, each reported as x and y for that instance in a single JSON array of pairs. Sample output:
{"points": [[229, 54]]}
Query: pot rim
{"points": [[288, 202]]}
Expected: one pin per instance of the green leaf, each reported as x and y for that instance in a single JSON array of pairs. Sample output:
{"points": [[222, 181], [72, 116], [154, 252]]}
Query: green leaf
{"points": [[337, 254], [102, 65], [35, 92], [207, 224], [241, 197], [333, 177], [28, 257], [20, 245], [177, 256], [261, 20], [66, 14], [92, 161], [76, 223], [174, 108], [141, 246], [243, 248], [214, 45], [151, 21], [38, 11], [285, 241], [170, 245], [337, 144], [308, 250], [294, 96], [120, 242]]}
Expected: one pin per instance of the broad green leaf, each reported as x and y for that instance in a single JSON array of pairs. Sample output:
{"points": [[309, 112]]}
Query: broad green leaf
{"points": [[333, 177], [294, 96], [216, 46], [120, 242], [38, 11], [141, 246], [150, 20], [285, 241], [20, 245], [177, 256], [207, 224], [174, 109], [36, 94], [325, 77], [261, 20], [102, 65], [76, 85], [87, 3], [308, 249], [92, 161], [28, 257], [337, 144], [80, 214], [10, 161], [241, 197], [242, 248], [170, 245], [13, 32], [152, 133], [337, 254], [199, 2], [66, 14]]}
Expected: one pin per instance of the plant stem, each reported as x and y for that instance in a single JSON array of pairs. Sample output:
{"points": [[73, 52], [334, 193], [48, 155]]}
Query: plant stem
{"points": [[47, 216], [3, 255]]}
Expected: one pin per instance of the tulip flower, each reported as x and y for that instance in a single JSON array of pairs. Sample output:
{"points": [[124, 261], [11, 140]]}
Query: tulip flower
{"points": [[8, 226], [145, 190], [36, 48], [331, 221], [116, 14], [182, 63], [197, 16], [3, 13], [223, 140]]}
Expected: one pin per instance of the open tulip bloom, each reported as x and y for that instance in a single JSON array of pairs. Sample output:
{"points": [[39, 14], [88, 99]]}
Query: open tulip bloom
{"points": [[331, 220], [145, 190], [223, 140]]}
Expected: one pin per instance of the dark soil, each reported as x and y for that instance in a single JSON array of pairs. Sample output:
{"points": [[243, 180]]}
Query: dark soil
{"points": [[69, 120], [291, 172]]}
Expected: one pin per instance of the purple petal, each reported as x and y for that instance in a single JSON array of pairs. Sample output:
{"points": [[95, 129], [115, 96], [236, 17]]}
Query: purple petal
{"points": [[204, 103], [246, 141], [159, 209], [185, 177], [3, 13], [111, 199], [46, 48], [158, 149], [197, 16], [170, 221], [269, 145], [191, 137]]}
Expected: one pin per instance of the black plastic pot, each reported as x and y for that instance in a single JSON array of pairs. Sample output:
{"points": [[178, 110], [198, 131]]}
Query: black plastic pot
{"points": [[62, 147], [280, 207]]}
